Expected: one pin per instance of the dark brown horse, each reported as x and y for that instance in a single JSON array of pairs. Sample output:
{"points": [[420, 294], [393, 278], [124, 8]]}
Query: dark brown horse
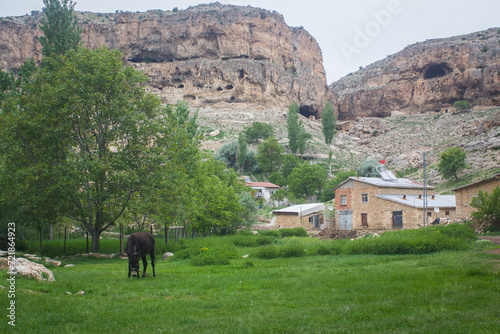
{"points": [[138, 246]]}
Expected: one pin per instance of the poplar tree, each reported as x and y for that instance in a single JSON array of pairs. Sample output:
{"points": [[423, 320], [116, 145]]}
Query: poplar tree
{"points": [[329, 122], [59, 27]]}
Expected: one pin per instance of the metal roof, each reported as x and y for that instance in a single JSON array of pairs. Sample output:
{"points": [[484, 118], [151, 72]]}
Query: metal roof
{"points": [[436, 201], [496, 176], [396, 183], [302, 209]]}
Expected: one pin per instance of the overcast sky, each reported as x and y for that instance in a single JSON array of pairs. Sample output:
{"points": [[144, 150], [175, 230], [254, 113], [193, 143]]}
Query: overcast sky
{"points": [[351, 33]]}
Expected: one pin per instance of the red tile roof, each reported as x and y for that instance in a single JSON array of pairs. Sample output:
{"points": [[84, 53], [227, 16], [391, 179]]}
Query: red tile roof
{"points": [[262, 184]]}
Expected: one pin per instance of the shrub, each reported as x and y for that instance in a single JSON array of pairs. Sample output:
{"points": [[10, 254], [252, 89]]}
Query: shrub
{"points": [[270, 233], [292, 248], [293, 232], [266, 252], [207, 251]]}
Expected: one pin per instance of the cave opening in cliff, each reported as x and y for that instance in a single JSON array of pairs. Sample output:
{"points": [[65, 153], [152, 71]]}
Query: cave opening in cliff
{"points": [[307, 111], [436, 71]]}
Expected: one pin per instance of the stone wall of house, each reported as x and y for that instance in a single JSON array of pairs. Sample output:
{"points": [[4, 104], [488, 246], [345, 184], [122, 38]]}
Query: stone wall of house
{"points": [[292, 221], [464, 195]]}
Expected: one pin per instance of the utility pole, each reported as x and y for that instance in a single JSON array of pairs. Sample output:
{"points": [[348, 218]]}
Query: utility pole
{"points": [[426, 203]]}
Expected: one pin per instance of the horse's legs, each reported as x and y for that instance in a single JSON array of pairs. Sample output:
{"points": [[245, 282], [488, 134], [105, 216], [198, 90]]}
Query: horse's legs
{"points": [[145, 265], [153, 259]]}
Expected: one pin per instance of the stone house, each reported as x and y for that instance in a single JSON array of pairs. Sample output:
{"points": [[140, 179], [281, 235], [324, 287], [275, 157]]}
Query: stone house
{"points": [[308, 216], [465, 194], [367, 203]]}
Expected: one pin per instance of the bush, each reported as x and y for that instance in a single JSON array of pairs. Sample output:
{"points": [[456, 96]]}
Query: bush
{"points": [[207, 251], [270, 233], [420, 241], [292, 248], [266, 252], [293, 232]]}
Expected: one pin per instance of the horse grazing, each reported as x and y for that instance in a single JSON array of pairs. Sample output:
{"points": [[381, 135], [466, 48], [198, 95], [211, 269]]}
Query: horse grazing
{"points": [[138, 246]]}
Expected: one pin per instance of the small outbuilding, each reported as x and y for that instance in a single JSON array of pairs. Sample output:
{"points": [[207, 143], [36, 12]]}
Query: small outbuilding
{"points": [[465, 194], [308, 216]]}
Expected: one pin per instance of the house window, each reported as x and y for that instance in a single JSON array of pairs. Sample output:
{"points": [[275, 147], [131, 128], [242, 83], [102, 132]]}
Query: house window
{"points": [[447, 213], [364, 220], [364, 198], [429, 213], [343, 199]]}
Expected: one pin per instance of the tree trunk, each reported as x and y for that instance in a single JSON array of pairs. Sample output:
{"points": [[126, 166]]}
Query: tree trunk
{"points": [[95, 242]]}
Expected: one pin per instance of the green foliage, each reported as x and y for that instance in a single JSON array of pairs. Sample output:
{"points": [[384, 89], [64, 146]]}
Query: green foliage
{"points": [[258, 130], [329, 123], [408, 171], [290, 162], [241, 155], [279, 195], [266, 252], [251, 163], [182, 114], [462, 105], [278, 179], [419, 241], [329, 189], [293, 232], [452, 162], [488, 207], [270, 155], [292, 248], [368, 168], [207, 251], [248, 215], [228, 153], [60, 32], [293, 127], [73, 137], [306, 180]]}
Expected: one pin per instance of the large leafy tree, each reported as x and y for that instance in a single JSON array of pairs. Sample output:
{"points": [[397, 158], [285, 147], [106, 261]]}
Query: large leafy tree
{"points": [[329, 122], [84, 138], [306, 180], [217, 196], [452, 162], [258, 130], [270, 155], [59, 27]]}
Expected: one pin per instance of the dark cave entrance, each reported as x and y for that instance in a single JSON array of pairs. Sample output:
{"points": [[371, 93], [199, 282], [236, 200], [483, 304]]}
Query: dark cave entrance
{"points": [[436, 71], [307, 111]]}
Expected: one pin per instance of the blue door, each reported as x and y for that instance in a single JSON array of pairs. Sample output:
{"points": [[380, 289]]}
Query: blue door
{"points": [[345, 220]]}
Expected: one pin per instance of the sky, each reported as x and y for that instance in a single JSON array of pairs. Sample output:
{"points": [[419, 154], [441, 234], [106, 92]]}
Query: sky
{"points": [[351, 33]]}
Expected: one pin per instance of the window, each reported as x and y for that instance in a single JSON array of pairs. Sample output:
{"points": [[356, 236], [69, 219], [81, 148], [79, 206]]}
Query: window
{"points": [[364, 198], [343, 199], [447, 213], [364, 220]]}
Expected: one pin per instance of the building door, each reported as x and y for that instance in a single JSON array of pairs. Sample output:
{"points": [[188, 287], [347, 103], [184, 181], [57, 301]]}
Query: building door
{"points": [[345, 220], [364, 220], [397, 219]]}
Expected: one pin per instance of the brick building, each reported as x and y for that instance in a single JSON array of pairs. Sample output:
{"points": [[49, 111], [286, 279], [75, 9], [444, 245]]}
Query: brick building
{"points": [[367, 203], [465, 194]]}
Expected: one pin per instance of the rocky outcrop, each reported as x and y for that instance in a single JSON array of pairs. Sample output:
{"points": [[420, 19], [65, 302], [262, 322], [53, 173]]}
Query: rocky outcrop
{"points": [[427, 76], [205, 54]]}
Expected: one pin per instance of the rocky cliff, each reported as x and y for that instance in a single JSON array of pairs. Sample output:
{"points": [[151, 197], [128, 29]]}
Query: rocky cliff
{"points": [[206, 54], [427, 76]]}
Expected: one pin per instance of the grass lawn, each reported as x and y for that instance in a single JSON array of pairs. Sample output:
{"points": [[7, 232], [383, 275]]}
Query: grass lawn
{"points": [[445, 292]]}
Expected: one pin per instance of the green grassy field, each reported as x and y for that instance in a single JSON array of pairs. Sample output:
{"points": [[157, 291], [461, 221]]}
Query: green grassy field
{"points": [[441, 292]]}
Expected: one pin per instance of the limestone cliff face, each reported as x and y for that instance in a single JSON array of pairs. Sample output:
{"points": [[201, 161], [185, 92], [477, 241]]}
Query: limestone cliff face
{"points": [[206, 54], [427, 76]]}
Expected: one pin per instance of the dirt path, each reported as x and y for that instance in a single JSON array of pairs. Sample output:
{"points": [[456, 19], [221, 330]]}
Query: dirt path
{"points": [[495, 239]]}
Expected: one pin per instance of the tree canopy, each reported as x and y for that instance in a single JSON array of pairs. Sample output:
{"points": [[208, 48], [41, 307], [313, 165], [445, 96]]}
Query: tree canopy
{"points": [[452, 162], [60, 32], [270, 155], [488, 208], [329, 123], [368, 168], [83, 139], [258, 130], [306, 180]]}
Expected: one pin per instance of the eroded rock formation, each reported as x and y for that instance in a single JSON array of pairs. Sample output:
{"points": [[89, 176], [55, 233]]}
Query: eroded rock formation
{"points": [[205, 54], [427, 76]]}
